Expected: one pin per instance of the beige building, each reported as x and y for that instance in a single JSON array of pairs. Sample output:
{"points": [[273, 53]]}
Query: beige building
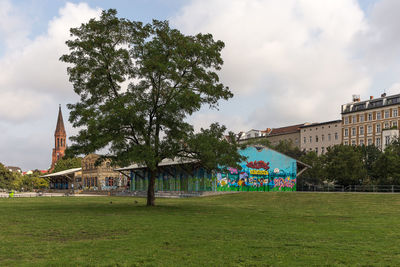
{"points": [[319, 136], [371, 122], [99, 177], [288, 133]]}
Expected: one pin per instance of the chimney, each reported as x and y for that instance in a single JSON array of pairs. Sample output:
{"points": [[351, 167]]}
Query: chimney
{"points": [[383, 95], [371, 97], [356, 98]]}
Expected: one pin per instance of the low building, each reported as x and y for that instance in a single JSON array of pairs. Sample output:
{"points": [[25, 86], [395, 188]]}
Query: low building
{"points": [[319, 136], [100, 176], [264, 170], [64, 179], [288, 133]]}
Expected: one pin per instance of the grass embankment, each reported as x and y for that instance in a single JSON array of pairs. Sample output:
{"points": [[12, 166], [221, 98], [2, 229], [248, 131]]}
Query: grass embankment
{"points": [[240, 229]]}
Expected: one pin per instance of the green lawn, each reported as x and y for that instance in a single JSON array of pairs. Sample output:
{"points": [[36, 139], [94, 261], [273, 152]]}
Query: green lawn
{"points": [[289, 229]]}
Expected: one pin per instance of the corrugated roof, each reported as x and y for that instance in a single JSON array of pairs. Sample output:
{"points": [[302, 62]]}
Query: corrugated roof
{"points": [[65, 172], [164, 162]]}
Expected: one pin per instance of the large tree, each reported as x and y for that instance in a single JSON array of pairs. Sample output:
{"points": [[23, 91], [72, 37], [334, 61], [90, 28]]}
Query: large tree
{"points": [[137, 85]]}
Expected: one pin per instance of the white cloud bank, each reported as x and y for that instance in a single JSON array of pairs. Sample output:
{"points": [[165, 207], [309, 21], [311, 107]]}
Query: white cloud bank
{"points": [[31, 77], [295, 55]]}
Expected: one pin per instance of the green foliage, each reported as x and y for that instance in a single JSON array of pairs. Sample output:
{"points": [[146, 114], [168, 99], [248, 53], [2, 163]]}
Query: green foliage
{"points": [[169, 76], [284, 146], [7, 178], [344, 165], [67, 163], [30, 182], [317, 173]]}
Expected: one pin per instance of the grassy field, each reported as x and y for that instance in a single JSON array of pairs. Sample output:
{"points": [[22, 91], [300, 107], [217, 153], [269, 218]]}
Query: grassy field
{"points": [[289, 229]]}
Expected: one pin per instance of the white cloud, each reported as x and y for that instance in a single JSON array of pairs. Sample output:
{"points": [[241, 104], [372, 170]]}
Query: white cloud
{"points": [[294, 54], [33, 73]]}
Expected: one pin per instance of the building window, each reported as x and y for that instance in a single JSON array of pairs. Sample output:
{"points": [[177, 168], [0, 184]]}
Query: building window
{"points": [[387, 140], [394, 124], [378, 141], [354, 119], [305, 139], [336, 136], [378, 128], [329, 137], [361, 130], [316, 139], [386, 125], [361, 117], [353, 131], [346, 120], [316, 150], [394, 112], [353, 142], [322, 138], [369, 141], [346, 143], [378, 115], [386, 114], [369, 131], [370, 116], [310, 139], [361, 142], [322, 150], [346, 132]]}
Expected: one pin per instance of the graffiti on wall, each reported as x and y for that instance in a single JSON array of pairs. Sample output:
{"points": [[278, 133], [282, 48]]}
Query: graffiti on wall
{"points": [[255, 176]]}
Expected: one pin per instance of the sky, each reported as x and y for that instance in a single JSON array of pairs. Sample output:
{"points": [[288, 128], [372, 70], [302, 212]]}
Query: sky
{"points": [[287, 62]]}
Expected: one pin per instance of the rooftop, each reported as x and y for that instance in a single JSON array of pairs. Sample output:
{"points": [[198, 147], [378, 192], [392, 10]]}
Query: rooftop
{"points": [[383, 101], [320, 123]]}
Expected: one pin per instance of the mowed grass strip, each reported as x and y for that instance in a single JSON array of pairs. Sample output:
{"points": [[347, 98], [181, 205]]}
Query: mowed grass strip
{"points": [[288, 229]]}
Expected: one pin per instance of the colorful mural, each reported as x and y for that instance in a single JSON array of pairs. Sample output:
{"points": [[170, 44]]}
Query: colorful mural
{"points": [[264, 170], [255, 174]]}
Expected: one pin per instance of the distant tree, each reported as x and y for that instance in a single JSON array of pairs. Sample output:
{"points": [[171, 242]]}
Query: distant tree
{"points": [[67, 163], [386, 168], [317, 173], [137, 85], [344, 165], [288, 148], [6, 178], [370, 155]]}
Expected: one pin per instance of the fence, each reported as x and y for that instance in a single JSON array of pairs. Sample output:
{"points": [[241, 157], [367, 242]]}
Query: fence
{"points": [[349, 188]]}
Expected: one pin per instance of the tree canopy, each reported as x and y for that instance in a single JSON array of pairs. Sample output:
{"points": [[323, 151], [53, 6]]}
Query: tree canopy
{"points": [[137, 85]]}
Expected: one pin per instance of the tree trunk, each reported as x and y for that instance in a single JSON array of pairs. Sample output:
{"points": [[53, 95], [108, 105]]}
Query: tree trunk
{"points": [[150, 190]]}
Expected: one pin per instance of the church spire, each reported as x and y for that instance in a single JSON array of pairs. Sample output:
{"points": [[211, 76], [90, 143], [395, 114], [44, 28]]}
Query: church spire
{"points": [[60, 138], [60, 122]]}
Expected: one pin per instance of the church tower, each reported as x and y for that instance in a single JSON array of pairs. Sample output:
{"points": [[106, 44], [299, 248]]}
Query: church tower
{"points": [[60, 138]]}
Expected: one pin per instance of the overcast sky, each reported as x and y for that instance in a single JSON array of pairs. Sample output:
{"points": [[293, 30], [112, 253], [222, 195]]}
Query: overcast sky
{"points": [[286, 61]]}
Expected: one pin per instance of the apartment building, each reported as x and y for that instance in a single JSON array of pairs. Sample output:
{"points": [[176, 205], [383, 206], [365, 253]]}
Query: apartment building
{"points": [[319, 136], [371, 122]]}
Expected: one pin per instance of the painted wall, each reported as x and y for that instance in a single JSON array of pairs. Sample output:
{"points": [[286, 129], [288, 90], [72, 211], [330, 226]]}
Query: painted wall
{"points": [[264, 170]]}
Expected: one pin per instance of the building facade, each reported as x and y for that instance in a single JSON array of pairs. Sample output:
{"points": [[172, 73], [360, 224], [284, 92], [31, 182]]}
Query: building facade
{"points": [[99, 176], [60, 138], [289, 133], [319, 136], [367, 122]]}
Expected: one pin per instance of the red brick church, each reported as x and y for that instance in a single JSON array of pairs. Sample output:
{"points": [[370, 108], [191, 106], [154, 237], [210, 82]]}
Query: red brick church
{"points": [[60, 138]]}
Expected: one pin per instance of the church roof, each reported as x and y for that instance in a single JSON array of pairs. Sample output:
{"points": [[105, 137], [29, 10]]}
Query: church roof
{"points": [[60, 122]]}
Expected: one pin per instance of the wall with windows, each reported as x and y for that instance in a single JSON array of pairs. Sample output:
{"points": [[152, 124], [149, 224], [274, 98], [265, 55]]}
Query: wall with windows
{"points": [[367, 127], [319, 136]]}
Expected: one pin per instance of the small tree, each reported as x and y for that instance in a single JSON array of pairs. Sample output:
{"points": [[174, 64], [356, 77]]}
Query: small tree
{"points": [[137, 84], [67, 163]]}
